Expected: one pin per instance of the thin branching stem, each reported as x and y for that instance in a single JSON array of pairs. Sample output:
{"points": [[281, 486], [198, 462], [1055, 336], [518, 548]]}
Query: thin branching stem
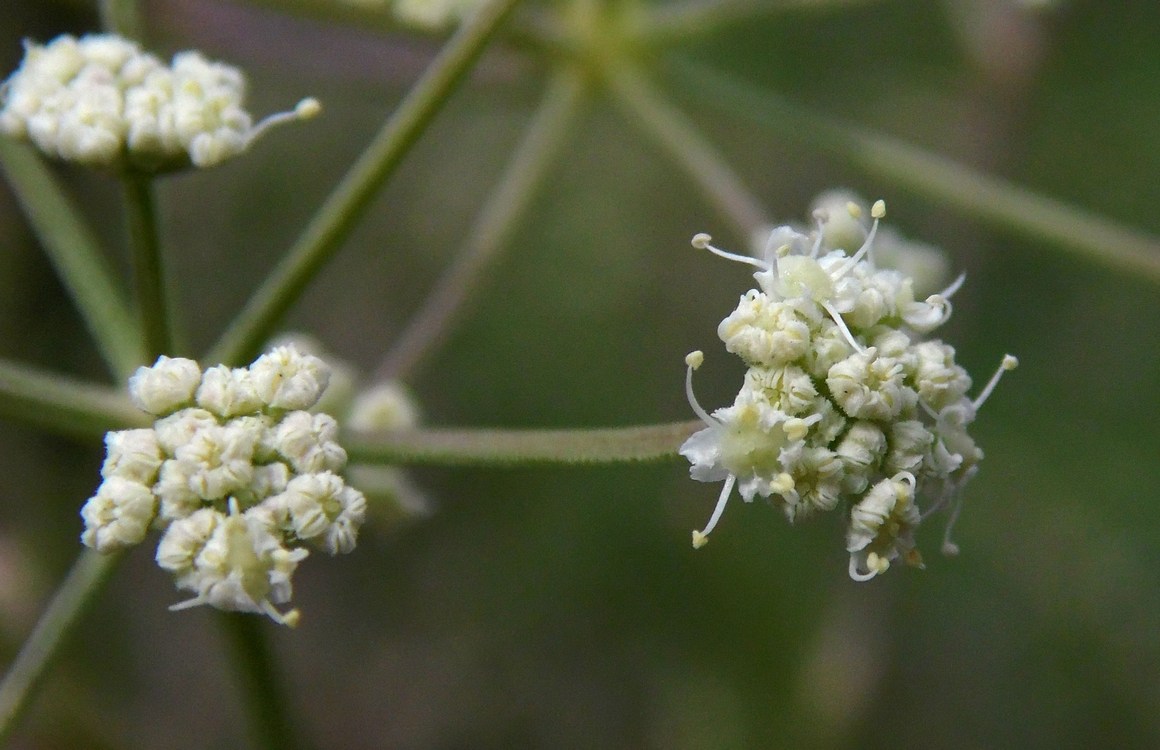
{"points": [[681, 141], [934, 177], [487, 447], [75, 253], [62, 405], [346, 205], [259, 682], [86, 578], [148, 264], [491, 230]]}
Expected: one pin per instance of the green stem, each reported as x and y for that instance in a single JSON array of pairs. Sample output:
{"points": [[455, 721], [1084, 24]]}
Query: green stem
{"points": [[122, 17], [73, 250], [76, 592], [492, 228], [680, 140], [148, 268], [345, 206], [62, 405], [488, 447], [938, 178], [261, 685], [673, 23]]}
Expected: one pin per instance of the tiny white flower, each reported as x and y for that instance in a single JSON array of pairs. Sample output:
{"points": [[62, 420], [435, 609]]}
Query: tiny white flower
{"points": [[243, 567], [384, 406], [861, 451], [882, 528], [766, 332], [166, 386], [179, 428], [228, 392], [868, 386], [132, 454], [287, 379], [324, 511], [183, 541], [175, 492], [219, 460], [309, 442], [118, 516]]}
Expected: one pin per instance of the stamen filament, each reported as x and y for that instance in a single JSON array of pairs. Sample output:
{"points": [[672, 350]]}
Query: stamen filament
{"points": [[1009, 363], [837, 318], [696, 406], [700, 538]]}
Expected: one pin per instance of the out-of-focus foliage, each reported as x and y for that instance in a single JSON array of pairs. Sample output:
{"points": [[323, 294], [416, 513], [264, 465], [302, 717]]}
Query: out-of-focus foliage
{"points": [[565, 608]]}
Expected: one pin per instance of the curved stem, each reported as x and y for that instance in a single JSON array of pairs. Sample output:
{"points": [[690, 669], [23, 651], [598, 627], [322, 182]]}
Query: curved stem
{"points": [[494, 447], [148, 267], [936, 177], [87, 576], [63, 405], [680, 140], [260, 683], [75, 253], [491, 230], [345, 206]]}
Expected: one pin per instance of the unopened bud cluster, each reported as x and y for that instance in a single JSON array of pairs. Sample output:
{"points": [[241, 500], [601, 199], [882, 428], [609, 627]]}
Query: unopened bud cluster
{"points": [[847, 405], [100, 100], [236, 474]]}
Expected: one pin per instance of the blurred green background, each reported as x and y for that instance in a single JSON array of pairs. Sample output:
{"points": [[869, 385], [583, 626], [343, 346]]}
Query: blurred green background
{"points": [[565, 608]]}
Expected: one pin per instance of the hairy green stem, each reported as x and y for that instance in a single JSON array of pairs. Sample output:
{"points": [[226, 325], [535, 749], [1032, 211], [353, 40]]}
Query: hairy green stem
{"points": [[346, 205], [148, 266], [495, 447], [935, 177], [75, 253], [259, 681], [680, 140], [86, 578], [491, 230], [63, 405]]}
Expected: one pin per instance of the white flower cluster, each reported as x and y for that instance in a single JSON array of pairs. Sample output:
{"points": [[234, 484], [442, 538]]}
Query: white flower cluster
{"points": [[100, 100], [844, 405], [235, 473]]}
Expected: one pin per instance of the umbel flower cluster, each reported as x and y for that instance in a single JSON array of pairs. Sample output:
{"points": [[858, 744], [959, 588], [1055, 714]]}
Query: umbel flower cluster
{"points": [[847, 406], [236, 474], [101, 101]]}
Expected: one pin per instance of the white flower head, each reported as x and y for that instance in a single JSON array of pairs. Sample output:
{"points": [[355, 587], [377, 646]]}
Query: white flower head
{"points": [[284, 378], [101, 100], [843, 404], [166, 386], [118, 516]]}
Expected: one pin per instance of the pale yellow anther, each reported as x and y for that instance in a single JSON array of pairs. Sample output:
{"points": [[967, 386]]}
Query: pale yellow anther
{"points": [[699, 540], [782, 483], [701, 241], [307, 108], [878, 210], [782, 251], [694, 359], [854, 209], [795, 429], [1010, 362]]}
